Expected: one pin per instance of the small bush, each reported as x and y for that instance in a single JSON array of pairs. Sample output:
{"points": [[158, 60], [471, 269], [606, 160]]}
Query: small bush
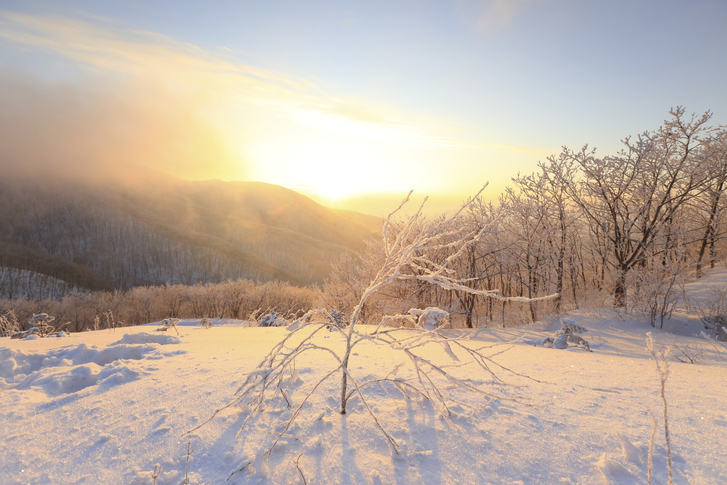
{"points": [[9, 324], [42, 321], [337, 318], [713, 313], [41, 327], [430, 318], [168, 323], [273, 319]]}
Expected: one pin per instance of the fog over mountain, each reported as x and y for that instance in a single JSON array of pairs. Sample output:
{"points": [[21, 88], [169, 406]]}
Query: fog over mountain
{"points": [[105, 128]]}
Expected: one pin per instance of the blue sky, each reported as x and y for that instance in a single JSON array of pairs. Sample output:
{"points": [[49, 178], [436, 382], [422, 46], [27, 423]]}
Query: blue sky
{"points": [[342, 99]]}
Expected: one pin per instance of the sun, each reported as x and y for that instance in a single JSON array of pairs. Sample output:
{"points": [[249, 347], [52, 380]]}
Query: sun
{"points": [[329, 167], [335, 193], [335, 184]]}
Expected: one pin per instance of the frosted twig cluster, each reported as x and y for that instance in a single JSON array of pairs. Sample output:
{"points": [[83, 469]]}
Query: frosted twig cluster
{"points": [[662, 369], [440, 362]]}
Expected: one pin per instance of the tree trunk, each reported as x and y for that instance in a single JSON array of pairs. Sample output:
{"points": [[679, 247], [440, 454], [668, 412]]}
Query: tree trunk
{"points": [[709, 231], [469, 304], [561, 257], [619, 291], [344, 374]]}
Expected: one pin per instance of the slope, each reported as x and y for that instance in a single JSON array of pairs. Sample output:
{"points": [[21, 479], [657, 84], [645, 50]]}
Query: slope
{"points": [[152, 228]]}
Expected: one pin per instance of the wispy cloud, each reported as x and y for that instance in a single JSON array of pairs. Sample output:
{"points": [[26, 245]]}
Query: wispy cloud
{"points": [[495, 13], [217, 77]]}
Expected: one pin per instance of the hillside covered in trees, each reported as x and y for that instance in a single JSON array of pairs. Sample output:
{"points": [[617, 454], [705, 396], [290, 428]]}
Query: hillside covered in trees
{"points": [[61, 234]]}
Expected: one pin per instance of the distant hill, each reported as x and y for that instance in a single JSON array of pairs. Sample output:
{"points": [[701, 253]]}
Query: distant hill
{"points": [[149, 228]]}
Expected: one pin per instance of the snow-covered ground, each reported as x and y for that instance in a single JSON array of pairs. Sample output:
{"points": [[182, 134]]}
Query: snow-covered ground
{"points": [[107, 406]]}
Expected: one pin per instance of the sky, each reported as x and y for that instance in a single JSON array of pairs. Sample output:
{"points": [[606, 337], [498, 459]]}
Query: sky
{"points": [[352, 103]]}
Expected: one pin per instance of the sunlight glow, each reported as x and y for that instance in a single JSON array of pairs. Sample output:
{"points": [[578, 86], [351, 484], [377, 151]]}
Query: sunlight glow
{"points": [[258, 124]]}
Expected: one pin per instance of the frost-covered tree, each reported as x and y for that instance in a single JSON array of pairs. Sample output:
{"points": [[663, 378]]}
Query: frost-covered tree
{"points": [[407, 257], [562, 236], [713, 200], [637, 194], [475, 266]]}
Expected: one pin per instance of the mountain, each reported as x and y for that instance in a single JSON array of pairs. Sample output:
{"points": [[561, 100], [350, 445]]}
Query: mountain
{"points": [[144, 228]]}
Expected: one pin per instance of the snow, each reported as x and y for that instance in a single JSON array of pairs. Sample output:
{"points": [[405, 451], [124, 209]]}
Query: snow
{"points": [[108, 406]]}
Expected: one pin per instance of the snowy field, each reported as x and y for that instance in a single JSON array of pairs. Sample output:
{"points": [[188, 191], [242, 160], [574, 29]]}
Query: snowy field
{"points": [[107, 406]]}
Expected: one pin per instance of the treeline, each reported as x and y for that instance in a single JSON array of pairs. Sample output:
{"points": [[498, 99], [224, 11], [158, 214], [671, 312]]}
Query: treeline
{"points": [[622, 230], [239, 299]]}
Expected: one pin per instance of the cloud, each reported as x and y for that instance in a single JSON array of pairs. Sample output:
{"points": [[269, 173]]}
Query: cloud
{"points": [[495, 13], [217, 78], [151, 100]]}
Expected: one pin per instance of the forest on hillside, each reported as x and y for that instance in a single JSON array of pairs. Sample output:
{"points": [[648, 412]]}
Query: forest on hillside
{"points": [[625, 230], [85, 236]]}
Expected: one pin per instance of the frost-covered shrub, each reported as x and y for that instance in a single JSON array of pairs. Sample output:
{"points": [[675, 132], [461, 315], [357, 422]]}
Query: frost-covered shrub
{"points": [[654, 293], [168, 323], [205, 323], [397, 321], [41, 322], [410, 244], [273, 319], [718, 324], [338, 318], [569, 331], [25, 333], [9, 324], [430, 318], [714, 313]]}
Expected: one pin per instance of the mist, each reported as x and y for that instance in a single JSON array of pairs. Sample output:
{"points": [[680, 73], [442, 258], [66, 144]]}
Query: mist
{"points": [[102, 128]]}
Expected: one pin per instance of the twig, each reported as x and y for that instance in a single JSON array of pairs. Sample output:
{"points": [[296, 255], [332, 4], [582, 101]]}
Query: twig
{"points": [[651, 446], [687, 358], [663, 374], [156, 472], [297, 465], [283, 435], [282, 393], [238, 471], [186, 466]]}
